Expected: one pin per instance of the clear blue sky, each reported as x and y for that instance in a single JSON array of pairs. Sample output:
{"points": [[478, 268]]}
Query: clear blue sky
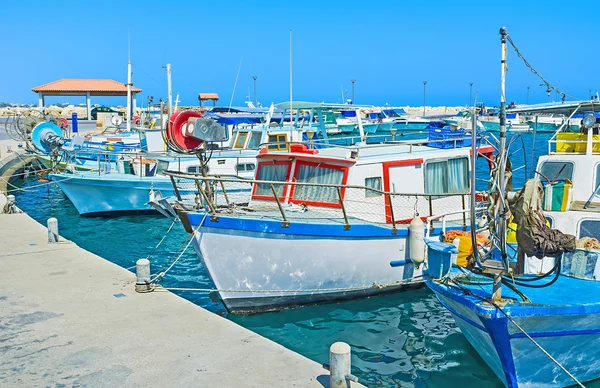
{"points": [[389, 47]]}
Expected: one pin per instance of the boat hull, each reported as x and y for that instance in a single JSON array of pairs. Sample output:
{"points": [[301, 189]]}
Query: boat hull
{"points": [[513, 357], [258, 265], [104, 194]]}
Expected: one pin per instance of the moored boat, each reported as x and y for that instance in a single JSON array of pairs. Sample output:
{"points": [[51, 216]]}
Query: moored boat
{"points": [[310, 213]]}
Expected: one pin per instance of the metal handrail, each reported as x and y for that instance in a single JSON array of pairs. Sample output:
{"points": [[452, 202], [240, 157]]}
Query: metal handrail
{"points": [[217, 178]]}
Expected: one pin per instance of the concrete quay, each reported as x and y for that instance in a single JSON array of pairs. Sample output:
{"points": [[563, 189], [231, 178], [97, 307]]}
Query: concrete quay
{"points": [[71, 318]]}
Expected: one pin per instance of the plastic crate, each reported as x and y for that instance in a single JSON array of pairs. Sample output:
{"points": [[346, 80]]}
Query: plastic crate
{"points": [[439, 258], [446, 137]]}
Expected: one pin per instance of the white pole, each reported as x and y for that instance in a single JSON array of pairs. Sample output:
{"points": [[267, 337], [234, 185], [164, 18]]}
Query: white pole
{"points": [[128, 95], [170, 93], [501, 225], [88, 104]]}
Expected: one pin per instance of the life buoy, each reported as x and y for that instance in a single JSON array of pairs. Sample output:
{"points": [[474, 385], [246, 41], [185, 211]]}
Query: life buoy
{"points": [[62, 123], [137, 120]]}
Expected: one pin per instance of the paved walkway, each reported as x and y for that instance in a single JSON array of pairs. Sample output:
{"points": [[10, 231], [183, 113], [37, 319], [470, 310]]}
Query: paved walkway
{"points": [[70, 318]]}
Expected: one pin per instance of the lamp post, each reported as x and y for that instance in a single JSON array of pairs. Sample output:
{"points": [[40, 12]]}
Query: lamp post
{"points": [[353, 81], [424, 96], [470, 93], [254, 78], [529, 87]]}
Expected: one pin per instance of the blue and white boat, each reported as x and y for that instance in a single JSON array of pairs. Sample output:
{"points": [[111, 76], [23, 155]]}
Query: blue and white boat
{"points": [[322, 224], [405, 122], [533, 314]]}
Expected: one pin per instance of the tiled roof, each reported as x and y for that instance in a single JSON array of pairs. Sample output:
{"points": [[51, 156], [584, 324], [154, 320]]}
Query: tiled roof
{"points": [[84, 86], [208, 96]]}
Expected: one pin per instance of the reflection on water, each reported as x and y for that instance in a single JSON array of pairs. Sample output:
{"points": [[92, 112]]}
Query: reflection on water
{"points": [[407, 339]]}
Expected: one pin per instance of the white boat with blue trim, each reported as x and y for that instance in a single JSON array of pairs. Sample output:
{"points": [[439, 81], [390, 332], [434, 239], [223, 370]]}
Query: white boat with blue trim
{"points": [[322, 225]]}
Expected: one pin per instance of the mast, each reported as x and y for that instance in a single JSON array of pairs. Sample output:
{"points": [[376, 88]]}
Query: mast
{"points": [[291, 111], [169, 94], [501, 198], [128, 84]]}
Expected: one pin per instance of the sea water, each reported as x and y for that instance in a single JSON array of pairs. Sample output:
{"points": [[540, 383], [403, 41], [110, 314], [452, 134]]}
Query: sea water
{"points": [[406, 339]]}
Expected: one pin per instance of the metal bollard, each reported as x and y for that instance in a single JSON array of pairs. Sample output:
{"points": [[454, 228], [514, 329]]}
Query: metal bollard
{"points": [[339, 365], [53, 230], [142, 273]]}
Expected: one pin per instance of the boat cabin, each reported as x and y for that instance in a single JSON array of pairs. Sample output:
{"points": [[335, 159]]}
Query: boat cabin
{"points": [[370, 182]]}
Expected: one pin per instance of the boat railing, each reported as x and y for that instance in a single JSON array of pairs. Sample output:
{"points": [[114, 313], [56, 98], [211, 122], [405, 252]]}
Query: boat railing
{"points": [[574, 146], [456, 142], [444, 217], [289, 201]]}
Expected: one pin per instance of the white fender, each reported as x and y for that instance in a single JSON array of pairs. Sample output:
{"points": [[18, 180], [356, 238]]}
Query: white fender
{"points": [[417, 241]]}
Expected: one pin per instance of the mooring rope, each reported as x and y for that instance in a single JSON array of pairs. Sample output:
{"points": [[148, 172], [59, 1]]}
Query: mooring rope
{"points": [[193, 235], [33, 186]]}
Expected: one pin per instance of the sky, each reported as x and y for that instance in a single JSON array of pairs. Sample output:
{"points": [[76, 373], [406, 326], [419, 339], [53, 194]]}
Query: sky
{"points": [[388, 47]]}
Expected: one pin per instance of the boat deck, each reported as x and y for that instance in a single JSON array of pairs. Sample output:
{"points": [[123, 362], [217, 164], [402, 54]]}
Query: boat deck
{"points": [[582, 297]]}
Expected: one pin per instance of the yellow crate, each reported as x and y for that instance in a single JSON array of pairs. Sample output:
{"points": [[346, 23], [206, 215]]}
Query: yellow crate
{"points": [[575, 147]]}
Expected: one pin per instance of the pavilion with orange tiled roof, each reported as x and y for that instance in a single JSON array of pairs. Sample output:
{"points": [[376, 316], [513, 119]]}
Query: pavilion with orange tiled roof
{"points": [[84, 87]]}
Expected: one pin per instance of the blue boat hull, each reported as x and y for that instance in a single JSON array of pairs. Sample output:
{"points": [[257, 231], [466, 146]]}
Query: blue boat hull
{"points": [[566, 334]]}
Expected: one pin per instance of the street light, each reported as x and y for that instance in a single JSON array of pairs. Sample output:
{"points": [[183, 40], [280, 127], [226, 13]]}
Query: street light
{"points": [[353, 81], [254, 78], [470, 93], [424, 96], [529, 87]]}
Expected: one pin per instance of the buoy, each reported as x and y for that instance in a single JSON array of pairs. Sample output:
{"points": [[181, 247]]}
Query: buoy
{"points": [[417, 240]]}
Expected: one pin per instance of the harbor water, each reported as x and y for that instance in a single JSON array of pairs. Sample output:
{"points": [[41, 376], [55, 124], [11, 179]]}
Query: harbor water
{"points": [[404, 339]]}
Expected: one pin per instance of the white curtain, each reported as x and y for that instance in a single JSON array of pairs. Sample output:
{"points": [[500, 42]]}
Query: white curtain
{"points": [[321, 175], [435, 178], [457, 175], [271, 172], [447, 176]]}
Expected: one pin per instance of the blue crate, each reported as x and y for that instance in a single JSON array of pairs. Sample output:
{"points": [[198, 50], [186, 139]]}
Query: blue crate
{"points": [[448, 134], [439, 258]]}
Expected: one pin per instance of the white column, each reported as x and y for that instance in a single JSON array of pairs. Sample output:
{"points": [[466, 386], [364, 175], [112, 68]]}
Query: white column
{"points": [[88, 104], [40, 100], [134, 98], [128, 96]]}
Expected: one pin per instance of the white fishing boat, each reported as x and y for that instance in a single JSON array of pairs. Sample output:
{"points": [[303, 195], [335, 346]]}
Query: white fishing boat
{"points": [[514, 123], [322, 225]]}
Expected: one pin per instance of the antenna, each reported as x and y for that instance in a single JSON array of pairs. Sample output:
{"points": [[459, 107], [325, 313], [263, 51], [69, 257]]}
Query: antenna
{"points": [[235, 84], [291, 111]]}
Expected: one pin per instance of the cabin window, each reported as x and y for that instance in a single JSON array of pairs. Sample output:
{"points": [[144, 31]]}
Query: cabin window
{"points": [[271, 172], [255, 140], [372, 183], [196, 169], [161, 167], [241, 140], [280, 142], [447, 176], [320, 174], [243, 167], [557, 170], [589, 228]]}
